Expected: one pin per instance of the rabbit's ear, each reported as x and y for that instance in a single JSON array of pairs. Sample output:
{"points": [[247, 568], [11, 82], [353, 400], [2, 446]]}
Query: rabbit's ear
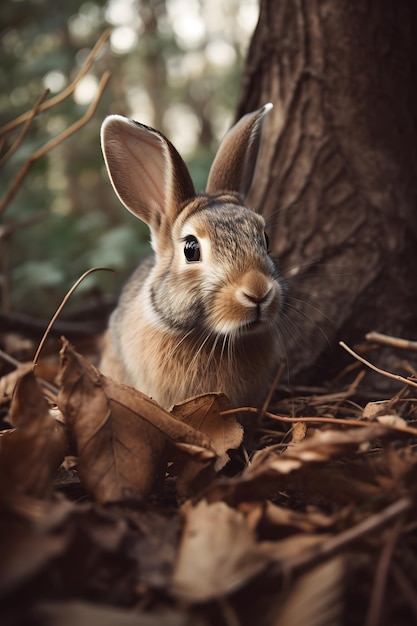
{"points": [[146, 171], [234, 164]]}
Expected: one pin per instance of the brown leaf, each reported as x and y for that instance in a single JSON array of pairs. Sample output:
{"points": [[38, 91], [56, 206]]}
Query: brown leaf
{"points": [[316, 597], [31, 453], [217, 555], [120, 432], [279, 521], [298, 432], [267, 473], [44, 371], [32, 533], [120, 455], [203, 413], [8, 382]]}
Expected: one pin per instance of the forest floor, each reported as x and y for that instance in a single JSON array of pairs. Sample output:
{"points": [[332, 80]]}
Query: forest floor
{"points": [[115, 511]]}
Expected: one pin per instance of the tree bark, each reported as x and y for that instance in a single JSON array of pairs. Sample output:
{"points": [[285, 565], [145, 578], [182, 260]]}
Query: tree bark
{"points": [[337, 176]]}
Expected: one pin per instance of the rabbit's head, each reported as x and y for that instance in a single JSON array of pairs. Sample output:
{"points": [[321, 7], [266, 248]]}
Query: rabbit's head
{"points": [[212, 271]]}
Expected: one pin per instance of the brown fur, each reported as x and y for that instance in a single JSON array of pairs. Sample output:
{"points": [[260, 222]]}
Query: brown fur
{"points": [[181, 327]]}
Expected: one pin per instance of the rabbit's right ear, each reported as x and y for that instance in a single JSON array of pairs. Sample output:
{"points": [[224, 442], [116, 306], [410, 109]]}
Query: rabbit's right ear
{"points": [[145, 169], [234, 165]]}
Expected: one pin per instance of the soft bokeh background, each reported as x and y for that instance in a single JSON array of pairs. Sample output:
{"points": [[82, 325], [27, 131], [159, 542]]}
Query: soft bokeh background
{"points": [[176, 65]]}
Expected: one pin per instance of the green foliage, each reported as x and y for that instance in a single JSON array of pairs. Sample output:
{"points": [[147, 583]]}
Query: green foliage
{"points": [[171, 76]]}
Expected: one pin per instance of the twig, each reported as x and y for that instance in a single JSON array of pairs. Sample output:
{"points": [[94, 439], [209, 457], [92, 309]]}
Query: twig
{"points": [[373, 617], [67, 91], [61, 306], [406, 588], [318, 420], [397, 377], [16, 364], [9, 359], [32, 114], [8, 229], [261, 414], [395, 342], [270, 392], [53, 143]]}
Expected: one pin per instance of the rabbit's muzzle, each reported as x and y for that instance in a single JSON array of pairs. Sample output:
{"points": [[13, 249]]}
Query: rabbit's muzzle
{"points": [[251, 304]]}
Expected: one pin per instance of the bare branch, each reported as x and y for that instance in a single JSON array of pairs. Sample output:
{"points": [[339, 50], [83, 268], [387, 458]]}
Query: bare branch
{"points": [[31, 116], [66, 92], [53, 143]]}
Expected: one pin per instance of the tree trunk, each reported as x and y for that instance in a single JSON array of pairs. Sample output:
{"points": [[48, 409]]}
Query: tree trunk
{"points": [[337, 176]]}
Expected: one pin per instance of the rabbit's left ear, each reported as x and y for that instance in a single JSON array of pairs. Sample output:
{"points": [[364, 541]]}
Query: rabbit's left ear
{"points": [[234, 164], [146, 171]]}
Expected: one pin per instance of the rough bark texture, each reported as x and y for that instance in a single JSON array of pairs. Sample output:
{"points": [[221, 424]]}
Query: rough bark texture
{"points": [[338, 171]]}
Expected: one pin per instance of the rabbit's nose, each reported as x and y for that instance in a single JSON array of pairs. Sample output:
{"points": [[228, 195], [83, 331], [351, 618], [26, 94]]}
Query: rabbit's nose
{"points": [[255, 298], [256, 287]]}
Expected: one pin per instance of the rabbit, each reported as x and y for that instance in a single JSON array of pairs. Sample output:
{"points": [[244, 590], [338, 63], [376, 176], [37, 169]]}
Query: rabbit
{"points": [[202, 313]]}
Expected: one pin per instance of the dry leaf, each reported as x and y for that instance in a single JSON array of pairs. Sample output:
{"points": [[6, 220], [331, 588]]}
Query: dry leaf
{"points": [[316, 598], [8, 382], [392, 420], [298, 432], [292, 547], [120, 455], [31, 453], [217, 555], [268, 473], [121, 433], [373, 409], [279, 521], [44, 371], [203, 413], [32, 534]]}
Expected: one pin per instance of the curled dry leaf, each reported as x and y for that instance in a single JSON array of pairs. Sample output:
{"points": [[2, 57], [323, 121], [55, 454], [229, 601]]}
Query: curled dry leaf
{"points": [[121, 433], [279, 521], [204, 413], [31, 453], [269, 473], [373, 409], [217, 555]]}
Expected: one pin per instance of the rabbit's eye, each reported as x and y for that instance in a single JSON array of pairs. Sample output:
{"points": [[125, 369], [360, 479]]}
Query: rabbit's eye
{"points": [[191, 249], [266, 241]]}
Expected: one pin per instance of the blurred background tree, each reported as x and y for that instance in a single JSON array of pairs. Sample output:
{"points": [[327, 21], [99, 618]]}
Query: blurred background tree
{"points": [[176, 65]]}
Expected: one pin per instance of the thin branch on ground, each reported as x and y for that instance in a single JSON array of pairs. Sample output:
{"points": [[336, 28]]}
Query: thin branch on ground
{"points": [[338, 543], [378, 370], [394, 342]]}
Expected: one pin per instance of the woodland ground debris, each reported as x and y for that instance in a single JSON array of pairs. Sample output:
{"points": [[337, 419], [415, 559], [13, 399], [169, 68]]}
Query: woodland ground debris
{"points": [[117, 509]]}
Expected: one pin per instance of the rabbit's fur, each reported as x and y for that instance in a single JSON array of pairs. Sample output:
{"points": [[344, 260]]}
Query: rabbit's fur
{"points": [[202, 314]]}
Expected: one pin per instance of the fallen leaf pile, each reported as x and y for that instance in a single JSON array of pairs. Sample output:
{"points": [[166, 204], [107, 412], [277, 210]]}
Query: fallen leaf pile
{"points": [[115, 511]]}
